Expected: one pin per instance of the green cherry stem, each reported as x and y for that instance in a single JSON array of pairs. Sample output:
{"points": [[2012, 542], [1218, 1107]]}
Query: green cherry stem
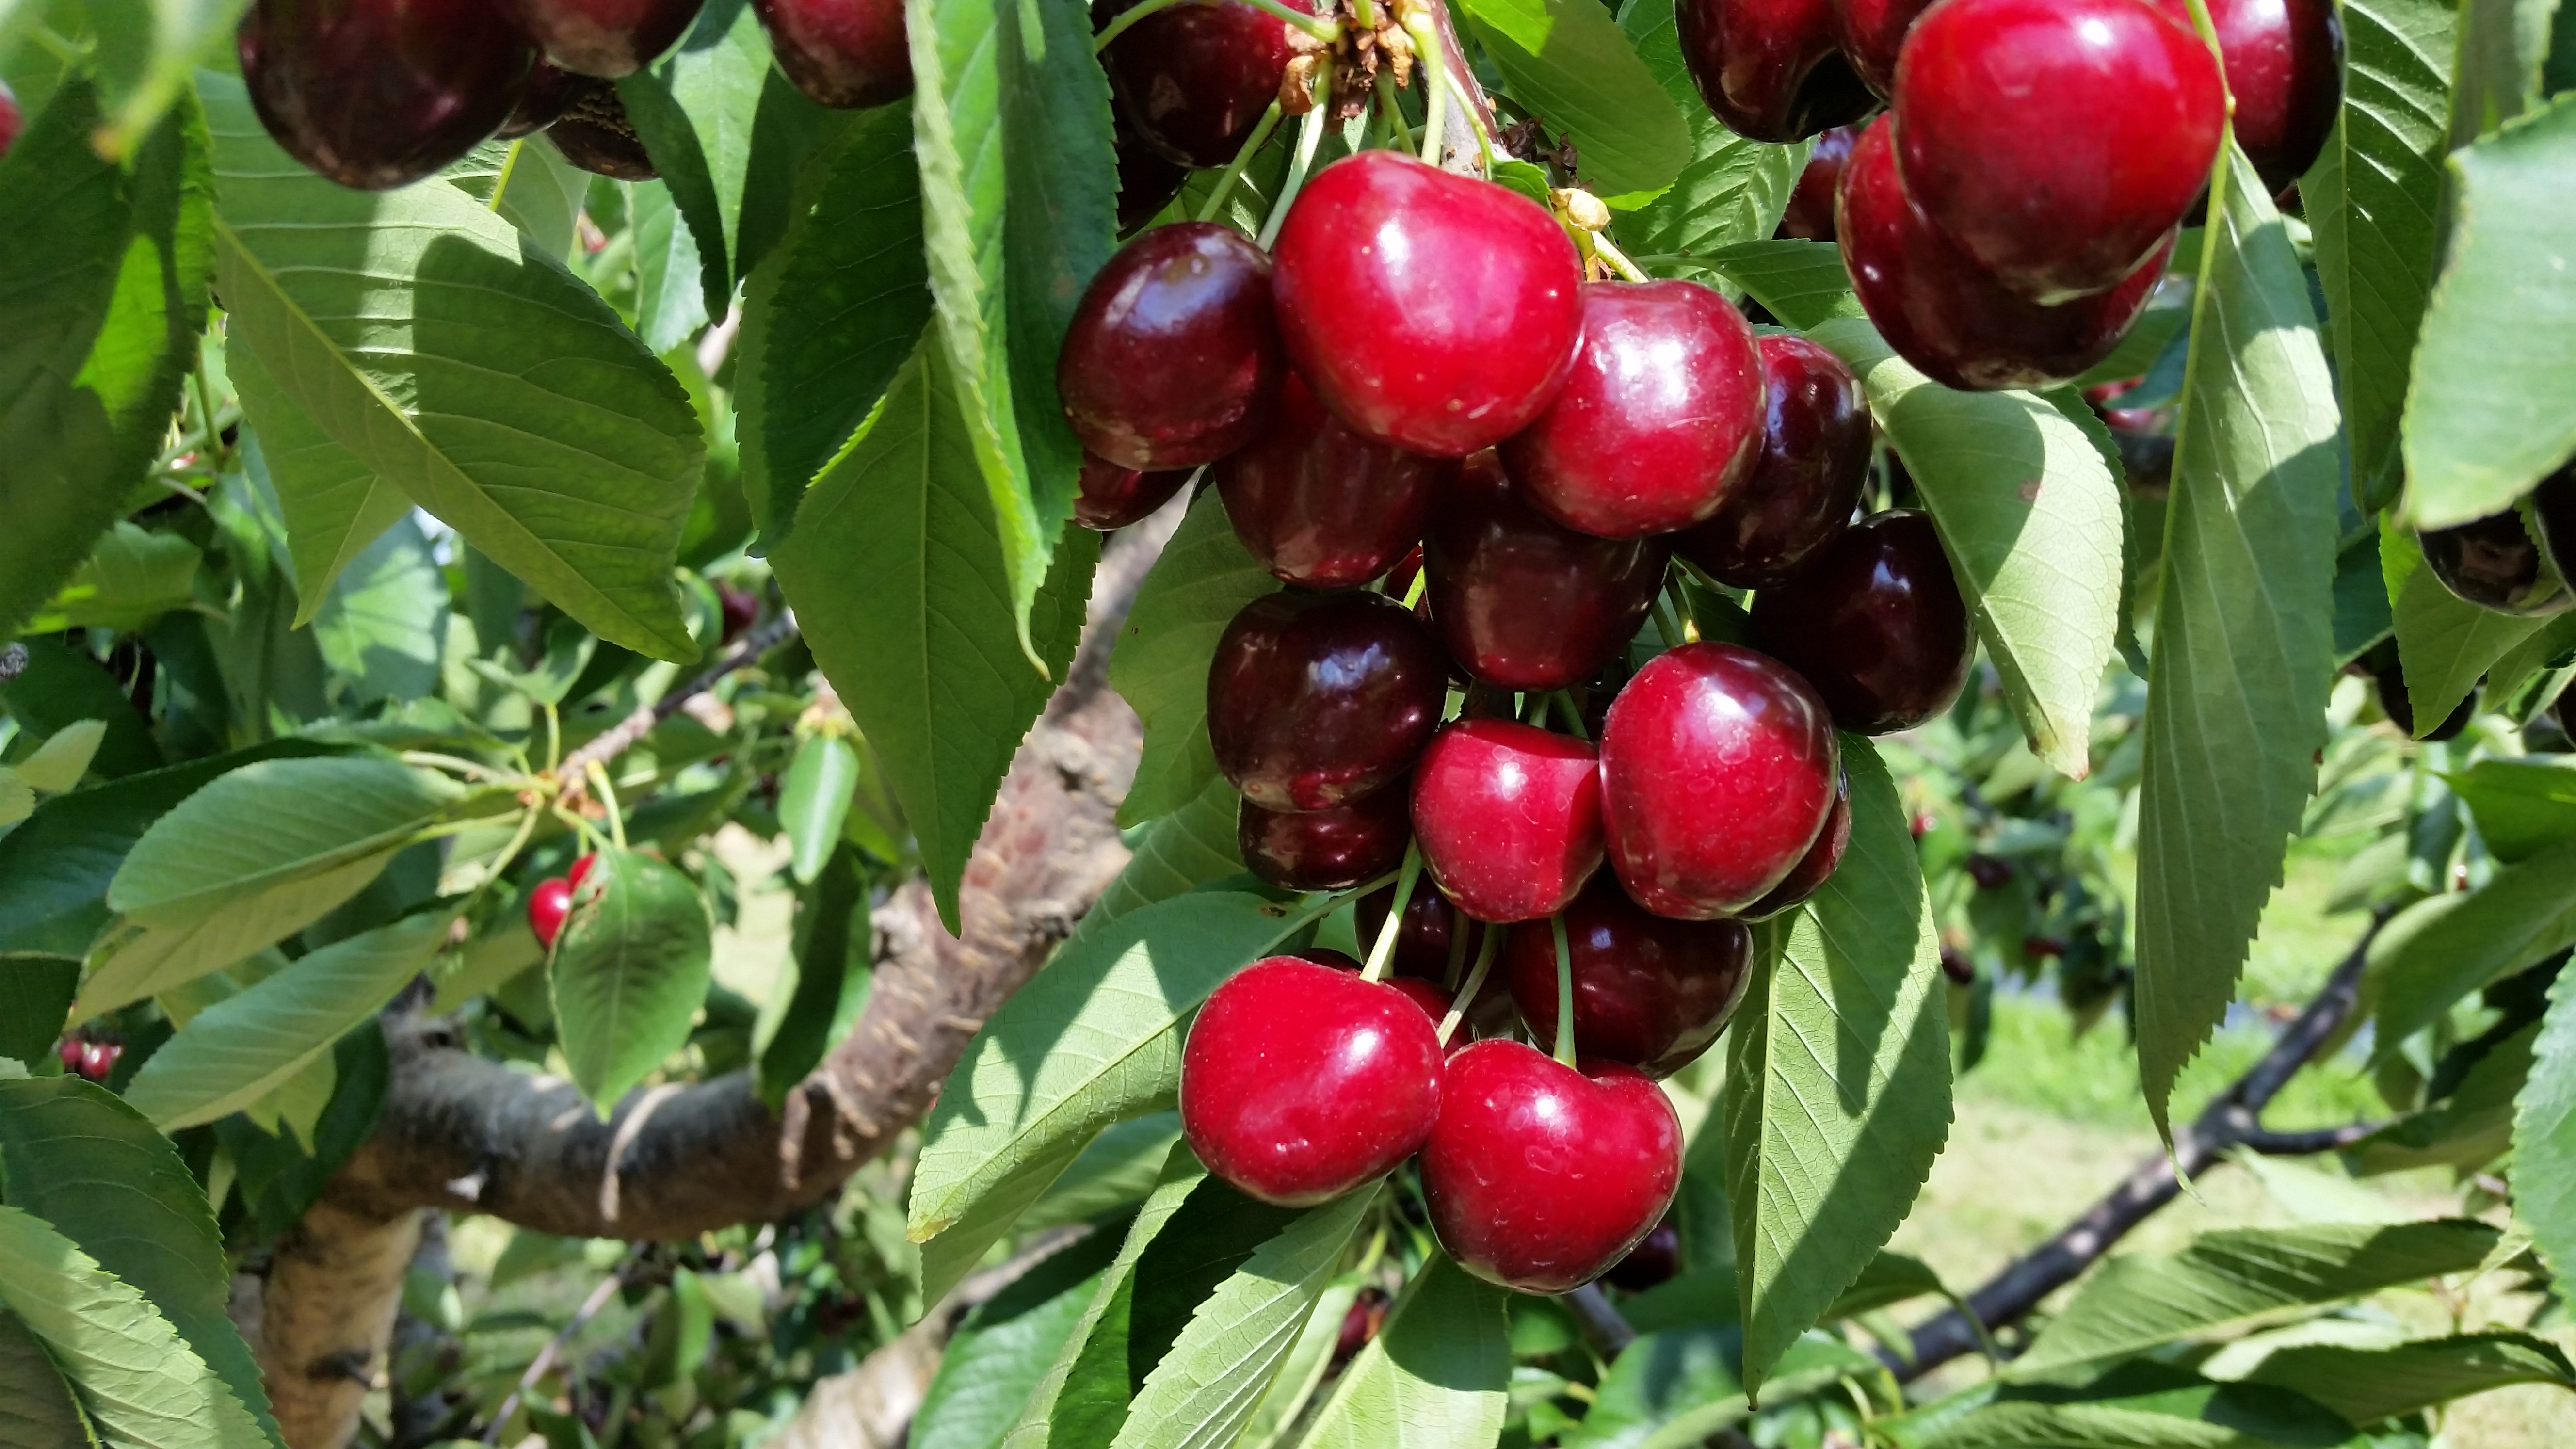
{"points": [[1457, 956], [1234, 169], [1491, 946], [1435, 95], [608, 796], [1564, 991], [1564, 699], [1323, 28], [1390, 114], [1617, 259], [1382, 954], [1310, 136]]}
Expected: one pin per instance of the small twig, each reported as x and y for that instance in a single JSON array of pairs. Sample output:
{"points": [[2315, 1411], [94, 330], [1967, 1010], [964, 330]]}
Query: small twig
{"points": [[623, 735], [546, 1356]]}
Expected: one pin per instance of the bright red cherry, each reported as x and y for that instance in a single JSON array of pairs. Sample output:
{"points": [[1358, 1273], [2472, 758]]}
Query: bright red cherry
{"points": [[98, 1058], [1805, 481], [841, 53], [1432, 312], [1872, 33], [1947, 315], [1509, 817], [594, 134], [1325, 850], [1656, 1260], [2056, 142], [1433, 1001], [1539, 1176], [2494, 563], [1815, 867], [1649, 992], [1718, 768], [1322, 506], [69, 1049], [1113, 496], [1317, 700], [1658, 420], [1810, 213], [1194, 79], [548, 904], [1522, 601], [1422, 943], [1299, 1082], [1875, 622], [378, 93], [1769, 69], [580, 869], [602, 37], [1172, 358], [2285, 69]]}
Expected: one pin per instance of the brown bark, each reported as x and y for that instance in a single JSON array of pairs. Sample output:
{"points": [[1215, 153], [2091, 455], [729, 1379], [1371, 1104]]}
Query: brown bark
{"points": [[326, 1315]]}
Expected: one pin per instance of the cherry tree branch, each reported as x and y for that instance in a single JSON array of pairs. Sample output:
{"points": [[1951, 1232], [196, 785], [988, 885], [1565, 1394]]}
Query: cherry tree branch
{"points": [[624, 735]]}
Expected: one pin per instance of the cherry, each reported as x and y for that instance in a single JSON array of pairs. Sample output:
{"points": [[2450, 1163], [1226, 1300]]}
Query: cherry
{"points": [[1807, 478], [739, 609], [2494, 563], [595, 135], [2057, 142], [1956, 965], [377, 93], [2389, 677], [98, 1058], [1769, 69], [1875, 622], [1810, 213], [2553, 507], [1872, 33], [12, 118], [1815, 867], [840, 53], [1172, 358], [1523, 602], [602, 37], [548, 904], [1147, 179], [1509, 817], [1317, 700], [69, 1049], [1990, 872], [1658, 420], [1436, 313], [580, 869], [1320, 505], [551, 92], [1657, 1259], [1360, 1323], [1539, 1176], [1399, 579], [1944, 313], [1327, 956], [1114, 496], [1423, 942], [1650, 992], [1433, 1001], [1325, 850], [1299, 1082], [1194, 79], [2284, 62], [1718, 768]]}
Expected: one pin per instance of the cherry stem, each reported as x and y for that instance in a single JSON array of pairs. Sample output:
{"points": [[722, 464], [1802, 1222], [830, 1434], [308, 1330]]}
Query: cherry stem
{"points": [[1234, 169], [1435, 96], [1383, 953], [1564, 991], [1490, 947], [1310, 135], [1564, 699], [1390, 114], [1413, 591], [608, 796], [1457, 956], [1617, 259], [1323, 28], [509, 167], [1668, 623]]}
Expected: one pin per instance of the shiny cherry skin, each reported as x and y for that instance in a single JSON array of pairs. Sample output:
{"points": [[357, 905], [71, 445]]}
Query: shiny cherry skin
{"points": [[1815, 867], [1423, 942], [1425, 994], [69, 1050], [602, 37], [1810, 213], [2056, 142], [1509, 816], [1657, 422], [379, 93], [1523, 602], [551, 92], [1435, 313], [1109, 495], [1649, 992], [1807, 478], [1769, 69], [98, 1058], [1320, 505], [1947, 315], [12, 118], [2494, 563], [1172, 358], [2285, 69], [1656, 1260], [2553, 507], [580, 869], [548, 904], [1147, 179], [1718, 768], [1325, 850], [840, 53], [1300, 1082], [594, 134], [1539, 1176], [1872, 33], [1194, 79], [1317, 700], [1875, 622]]}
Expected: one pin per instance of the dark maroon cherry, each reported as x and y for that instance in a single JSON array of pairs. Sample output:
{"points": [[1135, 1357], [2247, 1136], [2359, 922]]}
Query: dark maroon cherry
{"points": [[1113, 496], [551, 92], [1875, 622], [1805, 481], [1990, 872], [12, 118], [1956, 965], [1325, 850], [1539, 1176], [739, 609], [1317, 700], [595, 135], [1816, 866], [1360, 1323], [2389, 677], [1436, 313], [1649, 992], [2494, 563], [1658, 420], [1194, 79], [1433, 1001], [1320, 505], [2057, 142], [1769, 69], [1718, 768], [1299, 1082], [1523, 602], [1872, 33], [602, 37], [379, 93], [548, 904], [1423, 942], [841, 53], [1654, 1261], [1147, 179], [1327, 956], [1172, 359], [2553, 508], [1947, 315], [1509, 817], [2285, 71], [1810, 213]]}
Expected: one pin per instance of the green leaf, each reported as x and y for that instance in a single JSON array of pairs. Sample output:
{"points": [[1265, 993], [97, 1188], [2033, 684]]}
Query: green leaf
{"points": [[1433, 1378], [2544, 1133], [130, 579], [813, 800], [61, 686], [1679, 1387], [1802, 282], [382, 624], [334, 505], [35, 998], [1569, 63], [670, 299], [278, 1179], [448, 353], [36, 1407], [2439, 950], [2029, 513], [102, 295], [245, 1046], [2244, 642], [2487, 409], [2366, 1385], [1838, 1077], [1004, 1347], [133, 962], [830, 964], [2444, 644], [630, 971], [1202, 580], [541, 192], [59, 763], [896, 569], [1119, 1167], [2522, 806], [2503, 45], [1731, 189], [2141, 1301], [144, 50], [2197, 1415], [1309, 1359], [2467, 1129], [1179, 852]]}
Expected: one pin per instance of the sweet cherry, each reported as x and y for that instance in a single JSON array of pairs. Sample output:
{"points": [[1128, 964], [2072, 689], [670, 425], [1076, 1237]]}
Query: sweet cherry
{"points": [[12, 118], [1317, 700], [1320, 505], [594, 134], [1872, 33], [1194, 79], [1325, 850], [379, 93], [1509, 817], [1806, 480], [1810, 213], [551, 92], [1433, 1001], [1522, 601], [2285, 72], [840, 53], [548, 904], [1815, 867], [739, 609], [1422, 943], [1172, 358], [1875, 622], [1650, 992], [2494, 563], [1112, 495], [580, 868], [602, 37], [69, 1050], [1656, 1260], [98, 1058], [1299, 1082], [1769, 69]]}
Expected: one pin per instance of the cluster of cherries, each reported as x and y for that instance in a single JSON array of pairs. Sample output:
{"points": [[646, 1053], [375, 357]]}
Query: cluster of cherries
{"points": [[1420, 390], [551, 901], [90, 1057], [2006, 219]]}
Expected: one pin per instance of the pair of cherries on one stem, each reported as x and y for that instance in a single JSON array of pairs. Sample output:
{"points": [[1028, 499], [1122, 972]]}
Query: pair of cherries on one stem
{"points": [[550, 903]]}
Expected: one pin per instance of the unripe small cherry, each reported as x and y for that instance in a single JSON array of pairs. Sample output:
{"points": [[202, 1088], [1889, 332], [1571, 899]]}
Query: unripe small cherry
{"points": [[548, 905]]}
